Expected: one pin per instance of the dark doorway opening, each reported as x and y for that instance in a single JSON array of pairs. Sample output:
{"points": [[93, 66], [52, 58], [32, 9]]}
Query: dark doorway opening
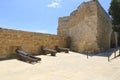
{"points": [[113, 40]]}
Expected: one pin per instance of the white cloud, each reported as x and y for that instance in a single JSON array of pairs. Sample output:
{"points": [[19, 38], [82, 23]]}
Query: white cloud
{"points": [[55, 4], [57, 0]]}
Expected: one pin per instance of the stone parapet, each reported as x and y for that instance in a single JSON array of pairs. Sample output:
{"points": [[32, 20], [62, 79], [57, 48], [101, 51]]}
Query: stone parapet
{"points": [[29, 42]]}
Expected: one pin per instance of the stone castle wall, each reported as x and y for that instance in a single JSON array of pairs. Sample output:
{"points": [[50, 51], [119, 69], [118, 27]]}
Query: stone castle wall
{"points": [[104, 29], [29, 42], [89, 28]]}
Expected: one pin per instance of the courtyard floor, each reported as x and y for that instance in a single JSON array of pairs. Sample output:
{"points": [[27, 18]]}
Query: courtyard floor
{"points": [[65, 66]]}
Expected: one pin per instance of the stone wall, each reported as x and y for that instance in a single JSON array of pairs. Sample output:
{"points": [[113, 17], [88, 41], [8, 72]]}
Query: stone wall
{"points": [[89, 28], [29, 42], [104, 29]]}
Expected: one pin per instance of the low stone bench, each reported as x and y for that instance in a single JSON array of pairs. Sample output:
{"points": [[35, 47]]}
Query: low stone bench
{"points": [[45, 51], [58, 49]]}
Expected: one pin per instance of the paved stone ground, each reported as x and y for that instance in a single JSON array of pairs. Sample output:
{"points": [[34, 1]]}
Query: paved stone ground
{"points": [[72, 66]]}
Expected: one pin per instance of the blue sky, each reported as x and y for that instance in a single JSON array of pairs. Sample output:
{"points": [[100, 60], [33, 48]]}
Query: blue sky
{"points": [[38, 15]]}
